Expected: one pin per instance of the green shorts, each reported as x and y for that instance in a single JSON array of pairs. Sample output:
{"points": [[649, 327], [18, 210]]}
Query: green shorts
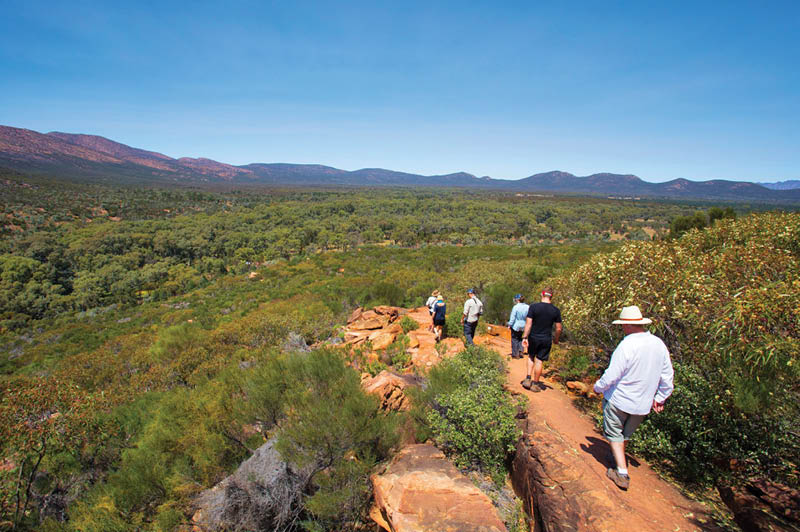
{"points": [[619, 425]]}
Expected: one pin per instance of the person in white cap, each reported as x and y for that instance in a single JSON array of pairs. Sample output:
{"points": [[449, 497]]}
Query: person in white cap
{"points": [[638, 379]]}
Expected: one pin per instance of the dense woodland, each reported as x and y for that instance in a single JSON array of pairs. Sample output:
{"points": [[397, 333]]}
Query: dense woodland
{"points": [[145, 332]]}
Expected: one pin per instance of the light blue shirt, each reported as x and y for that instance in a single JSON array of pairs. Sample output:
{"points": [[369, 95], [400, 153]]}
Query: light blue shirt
{"points": [[640, 371], [518, 315]]}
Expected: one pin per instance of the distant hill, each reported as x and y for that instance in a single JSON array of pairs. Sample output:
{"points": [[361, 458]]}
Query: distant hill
{"points": [[791, 184], [92, 158]]}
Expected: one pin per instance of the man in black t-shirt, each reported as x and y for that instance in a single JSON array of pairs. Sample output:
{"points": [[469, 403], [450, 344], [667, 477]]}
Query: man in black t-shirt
{"points": [[538, 339]]}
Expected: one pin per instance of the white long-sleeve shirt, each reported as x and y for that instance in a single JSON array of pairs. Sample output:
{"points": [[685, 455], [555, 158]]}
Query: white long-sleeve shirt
{"points": [[640, 371]]}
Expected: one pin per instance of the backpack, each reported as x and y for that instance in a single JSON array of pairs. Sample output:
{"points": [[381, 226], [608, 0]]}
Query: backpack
{"points": [[480, 307]]}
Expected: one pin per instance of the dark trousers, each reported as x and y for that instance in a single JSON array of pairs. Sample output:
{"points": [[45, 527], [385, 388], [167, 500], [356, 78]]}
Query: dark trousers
{"points": [[469, 331], [516, 344]]}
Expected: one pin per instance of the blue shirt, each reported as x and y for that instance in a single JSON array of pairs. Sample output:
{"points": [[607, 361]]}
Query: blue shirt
{"points": [[518, 315]]}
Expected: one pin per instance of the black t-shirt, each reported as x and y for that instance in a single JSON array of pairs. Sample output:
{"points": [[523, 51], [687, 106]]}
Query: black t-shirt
{"points": [[544, 315]]}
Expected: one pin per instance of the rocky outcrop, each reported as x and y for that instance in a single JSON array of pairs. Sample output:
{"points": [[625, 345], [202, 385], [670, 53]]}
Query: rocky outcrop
{"points": [[380, 327], [500, 331], [763, 506], [421, 491], [556, 495], [264, 493], [390, 388]]}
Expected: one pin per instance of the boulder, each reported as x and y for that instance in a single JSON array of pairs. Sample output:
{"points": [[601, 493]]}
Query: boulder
{"points": [[763, 506], [383, 340], [365, 323], [392, 312], [413, 341], [425, 354], [421, 491], [452, 346], [395, 328], [264, 493], [499, 330], [390, 388], [355, 337], [555, 493], [355, 315], [578, 387]]}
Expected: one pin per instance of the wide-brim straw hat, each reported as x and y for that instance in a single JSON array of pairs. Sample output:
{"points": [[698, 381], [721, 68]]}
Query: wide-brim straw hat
{"points": [[435, 293], [631, 316]]}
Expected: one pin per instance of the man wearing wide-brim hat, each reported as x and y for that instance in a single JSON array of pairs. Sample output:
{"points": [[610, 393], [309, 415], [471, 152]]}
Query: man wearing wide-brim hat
{"points": [[638, 379]]}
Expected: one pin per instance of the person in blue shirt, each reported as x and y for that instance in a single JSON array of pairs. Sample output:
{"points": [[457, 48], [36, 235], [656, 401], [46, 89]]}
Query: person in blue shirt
{"points": [[438, 317], [516, 322]]}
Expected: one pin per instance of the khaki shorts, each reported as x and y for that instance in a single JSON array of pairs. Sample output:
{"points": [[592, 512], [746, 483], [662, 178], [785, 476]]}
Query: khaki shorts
{"points": [[619, 425]]}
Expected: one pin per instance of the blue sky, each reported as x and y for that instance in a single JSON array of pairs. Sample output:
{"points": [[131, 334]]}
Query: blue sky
{"points": [[699, 90]]}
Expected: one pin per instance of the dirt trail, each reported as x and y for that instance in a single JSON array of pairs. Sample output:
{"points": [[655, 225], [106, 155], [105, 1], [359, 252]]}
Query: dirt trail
{"points": [[649, 504]]}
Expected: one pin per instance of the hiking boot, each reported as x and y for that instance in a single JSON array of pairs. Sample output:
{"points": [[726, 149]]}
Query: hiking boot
{"points": [[526, 383], [540, 385], [622, 481]]}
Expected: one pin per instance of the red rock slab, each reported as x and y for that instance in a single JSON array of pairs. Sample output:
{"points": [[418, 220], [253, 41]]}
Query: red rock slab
{"points": [[382, 340], [365, 323], [386, 310], [390, 388], [496, 343], [499, 330], [355, 315], [452, 346], [421, 491], [355, 337], [559, 471], [424, 355]]}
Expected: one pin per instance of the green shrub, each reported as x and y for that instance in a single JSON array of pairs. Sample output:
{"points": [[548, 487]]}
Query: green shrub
{"points": [[497, 302], [338, 431], [452, 325], [578, 363], [726, 300], [397, 352], [468, 412], [700, 431], [409, 324]]}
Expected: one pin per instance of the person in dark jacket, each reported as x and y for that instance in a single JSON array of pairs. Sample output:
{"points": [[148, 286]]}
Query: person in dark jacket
{"points": [[438, 317]]}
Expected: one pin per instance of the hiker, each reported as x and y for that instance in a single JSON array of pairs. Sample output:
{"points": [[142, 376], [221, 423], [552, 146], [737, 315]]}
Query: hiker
{"points": [[516, 322], [432, 299], [638, 378], [473, 308], [538, 337], [438, 317]]}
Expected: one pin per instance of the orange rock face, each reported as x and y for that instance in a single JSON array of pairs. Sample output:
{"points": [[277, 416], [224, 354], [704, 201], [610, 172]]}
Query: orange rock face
{"points": [[382, 340], [421, 491], [499, 330], [390, 387], [578, 387], [365, 323], [452, 346]]}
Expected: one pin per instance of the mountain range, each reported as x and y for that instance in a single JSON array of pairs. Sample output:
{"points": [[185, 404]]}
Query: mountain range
{"points": [[92, 158]]}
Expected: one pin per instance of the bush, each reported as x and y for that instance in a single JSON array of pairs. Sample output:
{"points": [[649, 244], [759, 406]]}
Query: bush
{"points": [[337, 431], [409, 324], [726, 300], [700, 432], [452, 325], [468, 412], [497, 303], [578, 364]]}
